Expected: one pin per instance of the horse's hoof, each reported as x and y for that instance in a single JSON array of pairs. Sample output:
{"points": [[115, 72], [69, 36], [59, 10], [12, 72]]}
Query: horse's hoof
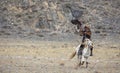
{"points": [[91, 55], [61, 64], [75, 67]]}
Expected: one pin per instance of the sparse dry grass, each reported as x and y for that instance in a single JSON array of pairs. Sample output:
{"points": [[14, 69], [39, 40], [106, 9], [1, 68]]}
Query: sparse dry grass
{"points": [[54, 56]]}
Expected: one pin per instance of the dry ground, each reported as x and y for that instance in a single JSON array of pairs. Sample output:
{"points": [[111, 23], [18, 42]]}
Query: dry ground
{"points": [[30, 56]]}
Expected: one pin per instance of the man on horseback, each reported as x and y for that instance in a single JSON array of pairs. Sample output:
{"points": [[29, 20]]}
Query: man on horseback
{"points": [[86, 33], [83, 31]]}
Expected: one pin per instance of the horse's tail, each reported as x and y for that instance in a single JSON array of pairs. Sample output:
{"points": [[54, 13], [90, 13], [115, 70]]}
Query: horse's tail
{"points": [[72, 55]]}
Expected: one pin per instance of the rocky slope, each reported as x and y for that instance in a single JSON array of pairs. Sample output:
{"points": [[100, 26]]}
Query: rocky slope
{"points": [[49, 19]]}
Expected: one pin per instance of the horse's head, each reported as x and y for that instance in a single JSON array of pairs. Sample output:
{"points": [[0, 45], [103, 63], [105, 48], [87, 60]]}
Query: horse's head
{"points": [[88, 43]]}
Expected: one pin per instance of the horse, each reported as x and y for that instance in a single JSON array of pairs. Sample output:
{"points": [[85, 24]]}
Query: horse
{"points": [[83, 52]]}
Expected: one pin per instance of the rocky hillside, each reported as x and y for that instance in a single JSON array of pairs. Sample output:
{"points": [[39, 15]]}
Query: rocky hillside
{"points": [[44, 19]]}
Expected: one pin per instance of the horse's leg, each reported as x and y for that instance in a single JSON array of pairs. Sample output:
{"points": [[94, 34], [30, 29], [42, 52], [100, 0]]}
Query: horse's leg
{"points": [[86, 62], [83, 59], [79, 62], [91, 51], [82, 63]]}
